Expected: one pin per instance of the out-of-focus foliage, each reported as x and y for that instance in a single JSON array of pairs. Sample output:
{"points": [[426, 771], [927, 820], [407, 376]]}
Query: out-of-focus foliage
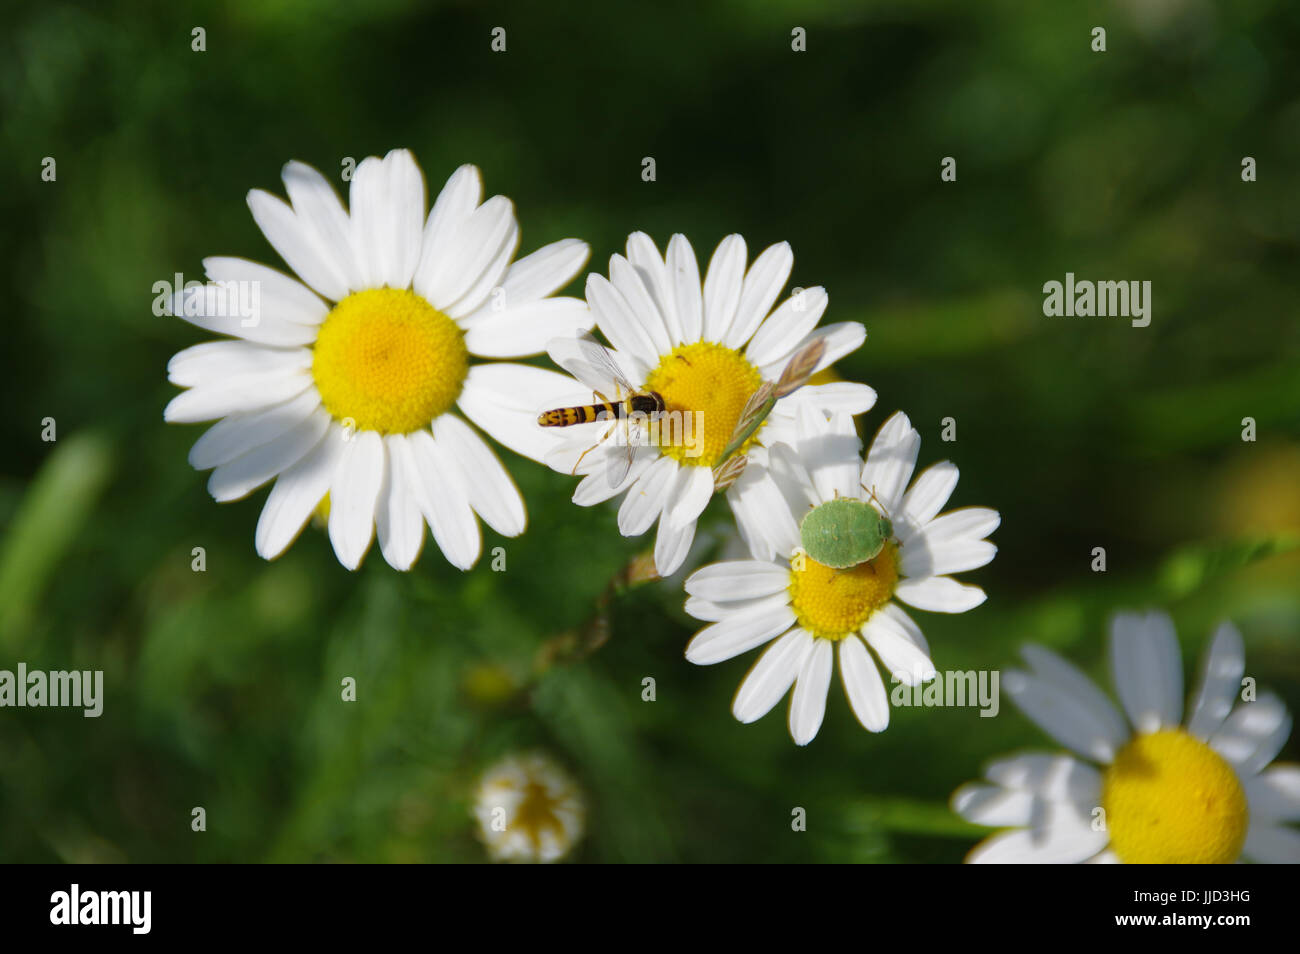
{"points": [[223, 687]]}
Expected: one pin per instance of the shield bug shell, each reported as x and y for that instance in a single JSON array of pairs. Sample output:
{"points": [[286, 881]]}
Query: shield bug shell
{"points": [[844, 532]]}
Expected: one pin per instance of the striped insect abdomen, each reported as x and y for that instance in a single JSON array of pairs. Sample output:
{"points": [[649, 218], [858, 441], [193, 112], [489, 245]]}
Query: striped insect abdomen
{"points": [[568, 416]]}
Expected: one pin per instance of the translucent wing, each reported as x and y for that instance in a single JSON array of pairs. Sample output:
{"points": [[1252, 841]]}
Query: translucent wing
{"points": [[591, 363]]}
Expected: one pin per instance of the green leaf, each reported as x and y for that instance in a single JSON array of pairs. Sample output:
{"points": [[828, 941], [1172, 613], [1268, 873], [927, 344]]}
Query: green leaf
{"points": [[52, 513]]}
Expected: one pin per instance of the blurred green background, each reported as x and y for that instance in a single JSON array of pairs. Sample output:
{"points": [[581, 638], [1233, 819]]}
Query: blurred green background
{"points": [[223, 686]]}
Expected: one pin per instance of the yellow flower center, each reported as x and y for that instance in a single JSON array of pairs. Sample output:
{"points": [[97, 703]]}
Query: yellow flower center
{"points": [[1171, 799], [388, 361], [536, 814], [832, 603], [713, 383]]}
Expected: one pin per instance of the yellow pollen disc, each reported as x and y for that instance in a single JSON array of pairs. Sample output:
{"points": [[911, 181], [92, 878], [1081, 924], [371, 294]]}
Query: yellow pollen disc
{"points": [[833, 603], [711, 381], [536, 813], [388, 361], [1171, 799]]}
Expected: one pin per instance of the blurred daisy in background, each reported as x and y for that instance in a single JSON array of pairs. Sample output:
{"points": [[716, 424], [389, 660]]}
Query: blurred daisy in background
{"points": [[346, 382], [811, 612], [1149, 789], [705, 348], [528, 809]]}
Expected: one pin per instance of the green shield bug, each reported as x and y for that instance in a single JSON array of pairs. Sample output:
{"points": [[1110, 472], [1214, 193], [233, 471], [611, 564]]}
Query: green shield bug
{"points": [[844, 532]]}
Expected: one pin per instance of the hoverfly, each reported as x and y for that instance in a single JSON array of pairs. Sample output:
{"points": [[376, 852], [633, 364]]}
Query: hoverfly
{"points": [[592, 363]]}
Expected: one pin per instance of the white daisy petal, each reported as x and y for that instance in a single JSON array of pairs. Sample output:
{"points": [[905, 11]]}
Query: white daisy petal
{"points": [[939, 594], [1274, 794], [838, 397], [905, 626], [738, 633], [1083, 721], [451, 210], [684, 282], [525, 329], [1104, 858], [830, 450], [354, 497], [842, 338], [1253, 735], [1147, 668], [785, 329], [712, 612], [1053, 776], [241, 476], [722, 286], [618, 321], [406, 195], [968, 523], [399, 524], [545, 271], [737, 580], [213, 362], [808, 703], [1065, 838], [296, 494], [645, 500], [278, 297], [651, 267], [890, 461], [772, 676], [387, 203], [297, 244], [1067, 679], [237, 309], [468, 307], [1225, 664], [504, 399], [600, 484], [625, 277], [1272, 845], [993, 805], [490, 490], [762, 515], [691, 492], [762, 283], [235, 394], [477, 245], [444, 502], [238, 434], [321, 213], [863, 685], [921, 556], [901, 657], [672, 544], [929, 493]]}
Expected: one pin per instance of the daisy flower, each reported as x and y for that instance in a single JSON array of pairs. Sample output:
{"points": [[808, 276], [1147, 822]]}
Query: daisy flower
{"points": [[346, 381], [811, 612], [528, 809], [705, 349], [1147, 789]]}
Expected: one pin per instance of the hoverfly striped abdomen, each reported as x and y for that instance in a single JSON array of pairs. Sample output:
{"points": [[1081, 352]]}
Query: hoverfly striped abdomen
{"points": [[582, 414]]}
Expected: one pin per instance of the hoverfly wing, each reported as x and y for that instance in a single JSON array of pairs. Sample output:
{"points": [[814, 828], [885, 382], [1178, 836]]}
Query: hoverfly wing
{"points": [[591, 363]]}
